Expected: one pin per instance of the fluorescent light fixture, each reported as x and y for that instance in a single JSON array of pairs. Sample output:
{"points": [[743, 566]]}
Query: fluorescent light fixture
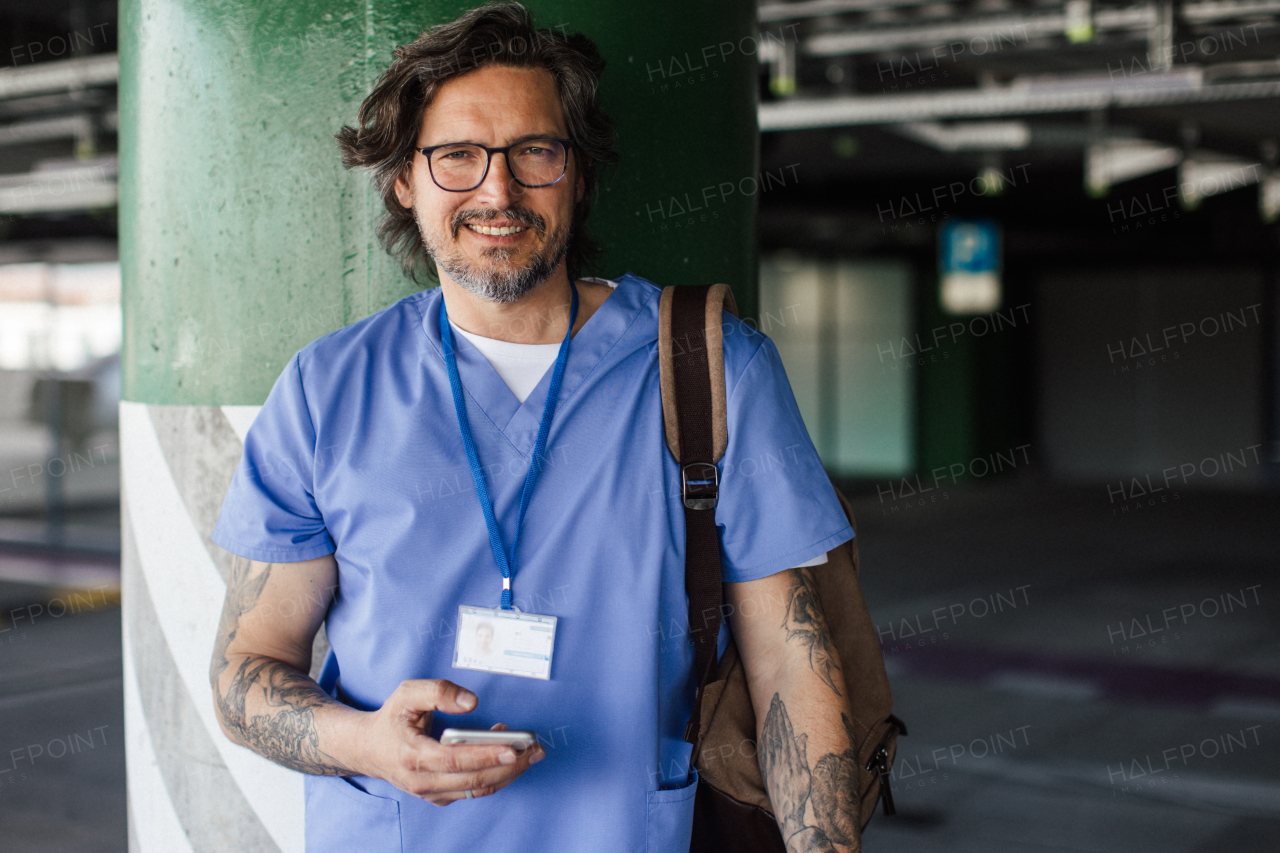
{"points": [[968, 136], [1118, 160], [1207, 174]]}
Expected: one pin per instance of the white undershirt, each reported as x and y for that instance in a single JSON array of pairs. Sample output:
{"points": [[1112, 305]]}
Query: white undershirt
{"points": [[522, 367]]}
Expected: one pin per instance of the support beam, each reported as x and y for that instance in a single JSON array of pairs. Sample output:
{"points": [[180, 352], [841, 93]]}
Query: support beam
{"points": [[771, 12], [1065, 95], [60, 76], [37, 130], [84, 187], [1012, 28]]}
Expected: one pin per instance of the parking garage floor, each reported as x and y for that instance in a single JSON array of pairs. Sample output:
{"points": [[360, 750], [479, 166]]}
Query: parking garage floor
{"points": [[62, 779], [1077, 675]]}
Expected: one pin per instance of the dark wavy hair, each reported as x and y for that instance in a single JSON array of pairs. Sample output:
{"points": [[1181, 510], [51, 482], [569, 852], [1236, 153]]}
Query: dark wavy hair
{"points": [[493, 34]]}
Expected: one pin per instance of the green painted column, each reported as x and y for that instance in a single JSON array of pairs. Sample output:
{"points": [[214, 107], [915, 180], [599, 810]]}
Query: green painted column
{"points": [[243, 238]]}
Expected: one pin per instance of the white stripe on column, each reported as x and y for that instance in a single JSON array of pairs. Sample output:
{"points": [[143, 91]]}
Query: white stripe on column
{"points": [[155, 821], [240, 418], [187, 593]]}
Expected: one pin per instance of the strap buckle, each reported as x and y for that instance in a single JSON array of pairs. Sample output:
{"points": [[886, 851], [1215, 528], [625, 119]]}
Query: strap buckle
{"points": [[700, 485]]}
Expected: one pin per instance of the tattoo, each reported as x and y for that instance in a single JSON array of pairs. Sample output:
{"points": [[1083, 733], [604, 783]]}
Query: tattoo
{"points": [[831, 788], [785, 767], [286, 734], [836, 805], [805, 622], [243, 592]]}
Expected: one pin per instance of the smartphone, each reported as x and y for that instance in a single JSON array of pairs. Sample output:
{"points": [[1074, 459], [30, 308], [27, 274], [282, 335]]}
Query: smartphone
{"points": [[515, 738]]}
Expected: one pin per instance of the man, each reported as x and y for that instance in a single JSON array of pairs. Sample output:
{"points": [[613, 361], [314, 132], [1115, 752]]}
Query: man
{"points": [[496, 442]]}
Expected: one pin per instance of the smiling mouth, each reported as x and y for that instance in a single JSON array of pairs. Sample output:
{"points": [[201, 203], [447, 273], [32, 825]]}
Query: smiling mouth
{"points": [[491, 231]]}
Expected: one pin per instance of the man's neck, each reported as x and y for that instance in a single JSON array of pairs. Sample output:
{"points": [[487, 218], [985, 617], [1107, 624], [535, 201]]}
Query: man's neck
{"points": [[538, 317]]}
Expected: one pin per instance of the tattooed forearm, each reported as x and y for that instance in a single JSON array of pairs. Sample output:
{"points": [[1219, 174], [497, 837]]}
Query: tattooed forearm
{"points": [[831, 788], [264, 703], [286, 733], [806, 624]]}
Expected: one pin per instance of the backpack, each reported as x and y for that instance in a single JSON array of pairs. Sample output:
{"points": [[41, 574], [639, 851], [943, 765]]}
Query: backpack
{"points": [[732, 811]]}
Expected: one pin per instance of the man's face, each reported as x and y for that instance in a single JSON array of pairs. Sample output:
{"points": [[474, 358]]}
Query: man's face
{"points": [[494, 106]]}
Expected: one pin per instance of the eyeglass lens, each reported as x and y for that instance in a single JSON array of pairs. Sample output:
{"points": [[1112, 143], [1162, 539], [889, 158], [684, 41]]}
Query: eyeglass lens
{"points": [[537, 162]]}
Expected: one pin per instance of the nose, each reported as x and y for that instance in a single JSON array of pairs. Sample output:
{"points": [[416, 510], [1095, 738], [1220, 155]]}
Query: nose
{"points": [[499, 186]]}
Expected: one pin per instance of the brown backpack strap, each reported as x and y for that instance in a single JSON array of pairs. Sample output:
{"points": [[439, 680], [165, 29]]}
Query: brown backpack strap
{"points": [[691, 365], [718, 298]]}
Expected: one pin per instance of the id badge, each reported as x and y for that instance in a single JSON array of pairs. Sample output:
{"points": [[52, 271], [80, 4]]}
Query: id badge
{"points": [[505, 641]]}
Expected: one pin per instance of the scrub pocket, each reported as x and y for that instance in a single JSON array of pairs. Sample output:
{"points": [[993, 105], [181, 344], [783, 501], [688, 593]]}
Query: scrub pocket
{"points": [[341, 818], [670, 818]]}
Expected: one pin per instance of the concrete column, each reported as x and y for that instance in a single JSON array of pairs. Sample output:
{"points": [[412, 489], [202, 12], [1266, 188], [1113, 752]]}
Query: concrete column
{"points": [[242, 239]]}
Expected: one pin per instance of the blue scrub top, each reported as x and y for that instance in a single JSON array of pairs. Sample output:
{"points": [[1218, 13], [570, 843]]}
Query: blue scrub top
{"points": [[357, 452]]}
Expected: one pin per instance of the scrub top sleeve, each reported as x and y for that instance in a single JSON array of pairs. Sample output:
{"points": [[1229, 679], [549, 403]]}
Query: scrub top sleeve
{"points": [[270, 512], [777, 507]]}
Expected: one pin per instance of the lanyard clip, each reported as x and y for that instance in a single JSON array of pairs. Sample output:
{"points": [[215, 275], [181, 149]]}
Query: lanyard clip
{"points": [[700, 485]]}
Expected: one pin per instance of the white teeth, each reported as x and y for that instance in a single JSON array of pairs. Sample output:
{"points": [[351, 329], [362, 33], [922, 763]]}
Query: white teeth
{"points": [[496, 232]]}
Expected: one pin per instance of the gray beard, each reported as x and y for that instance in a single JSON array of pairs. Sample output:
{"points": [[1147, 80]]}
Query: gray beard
{"points": [[503, 282]]}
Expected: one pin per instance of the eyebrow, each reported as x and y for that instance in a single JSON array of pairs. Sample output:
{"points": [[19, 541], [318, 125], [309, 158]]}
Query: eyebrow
{"points": [[516, 141]]}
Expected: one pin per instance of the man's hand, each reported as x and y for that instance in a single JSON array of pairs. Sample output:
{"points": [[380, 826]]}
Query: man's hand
{"points": [[398, 749], [265, 700]]}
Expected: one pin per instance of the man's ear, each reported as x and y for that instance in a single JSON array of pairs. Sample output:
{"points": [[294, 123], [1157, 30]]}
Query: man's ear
{"points": [[581, 189], [404, 192]]}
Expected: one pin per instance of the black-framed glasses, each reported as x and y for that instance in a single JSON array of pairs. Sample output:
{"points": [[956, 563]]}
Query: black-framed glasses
{"points": [[460, 167]]}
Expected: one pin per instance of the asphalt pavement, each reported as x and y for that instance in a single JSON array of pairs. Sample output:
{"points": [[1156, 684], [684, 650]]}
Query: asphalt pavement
{"points": [[62, 781], [1077, 673]]}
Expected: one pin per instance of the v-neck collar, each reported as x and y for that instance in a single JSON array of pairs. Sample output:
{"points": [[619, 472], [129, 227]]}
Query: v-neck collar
{"points": [[486, 390]]}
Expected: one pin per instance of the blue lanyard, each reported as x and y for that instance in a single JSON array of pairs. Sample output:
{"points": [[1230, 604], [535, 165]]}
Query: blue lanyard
{"points": [[505, 562]]}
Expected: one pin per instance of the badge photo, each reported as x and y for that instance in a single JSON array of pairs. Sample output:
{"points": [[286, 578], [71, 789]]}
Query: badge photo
{"points": [[509, 642]]}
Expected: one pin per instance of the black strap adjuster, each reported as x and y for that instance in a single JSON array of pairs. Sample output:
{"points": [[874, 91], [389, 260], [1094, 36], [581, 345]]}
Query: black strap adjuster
{"points": [[700, 485]]}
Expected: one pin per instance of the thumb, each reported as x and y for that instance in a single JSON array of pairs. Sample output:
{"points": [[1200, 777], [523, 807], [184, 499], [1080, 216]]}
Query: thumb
{"points": [[432, 694]]}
